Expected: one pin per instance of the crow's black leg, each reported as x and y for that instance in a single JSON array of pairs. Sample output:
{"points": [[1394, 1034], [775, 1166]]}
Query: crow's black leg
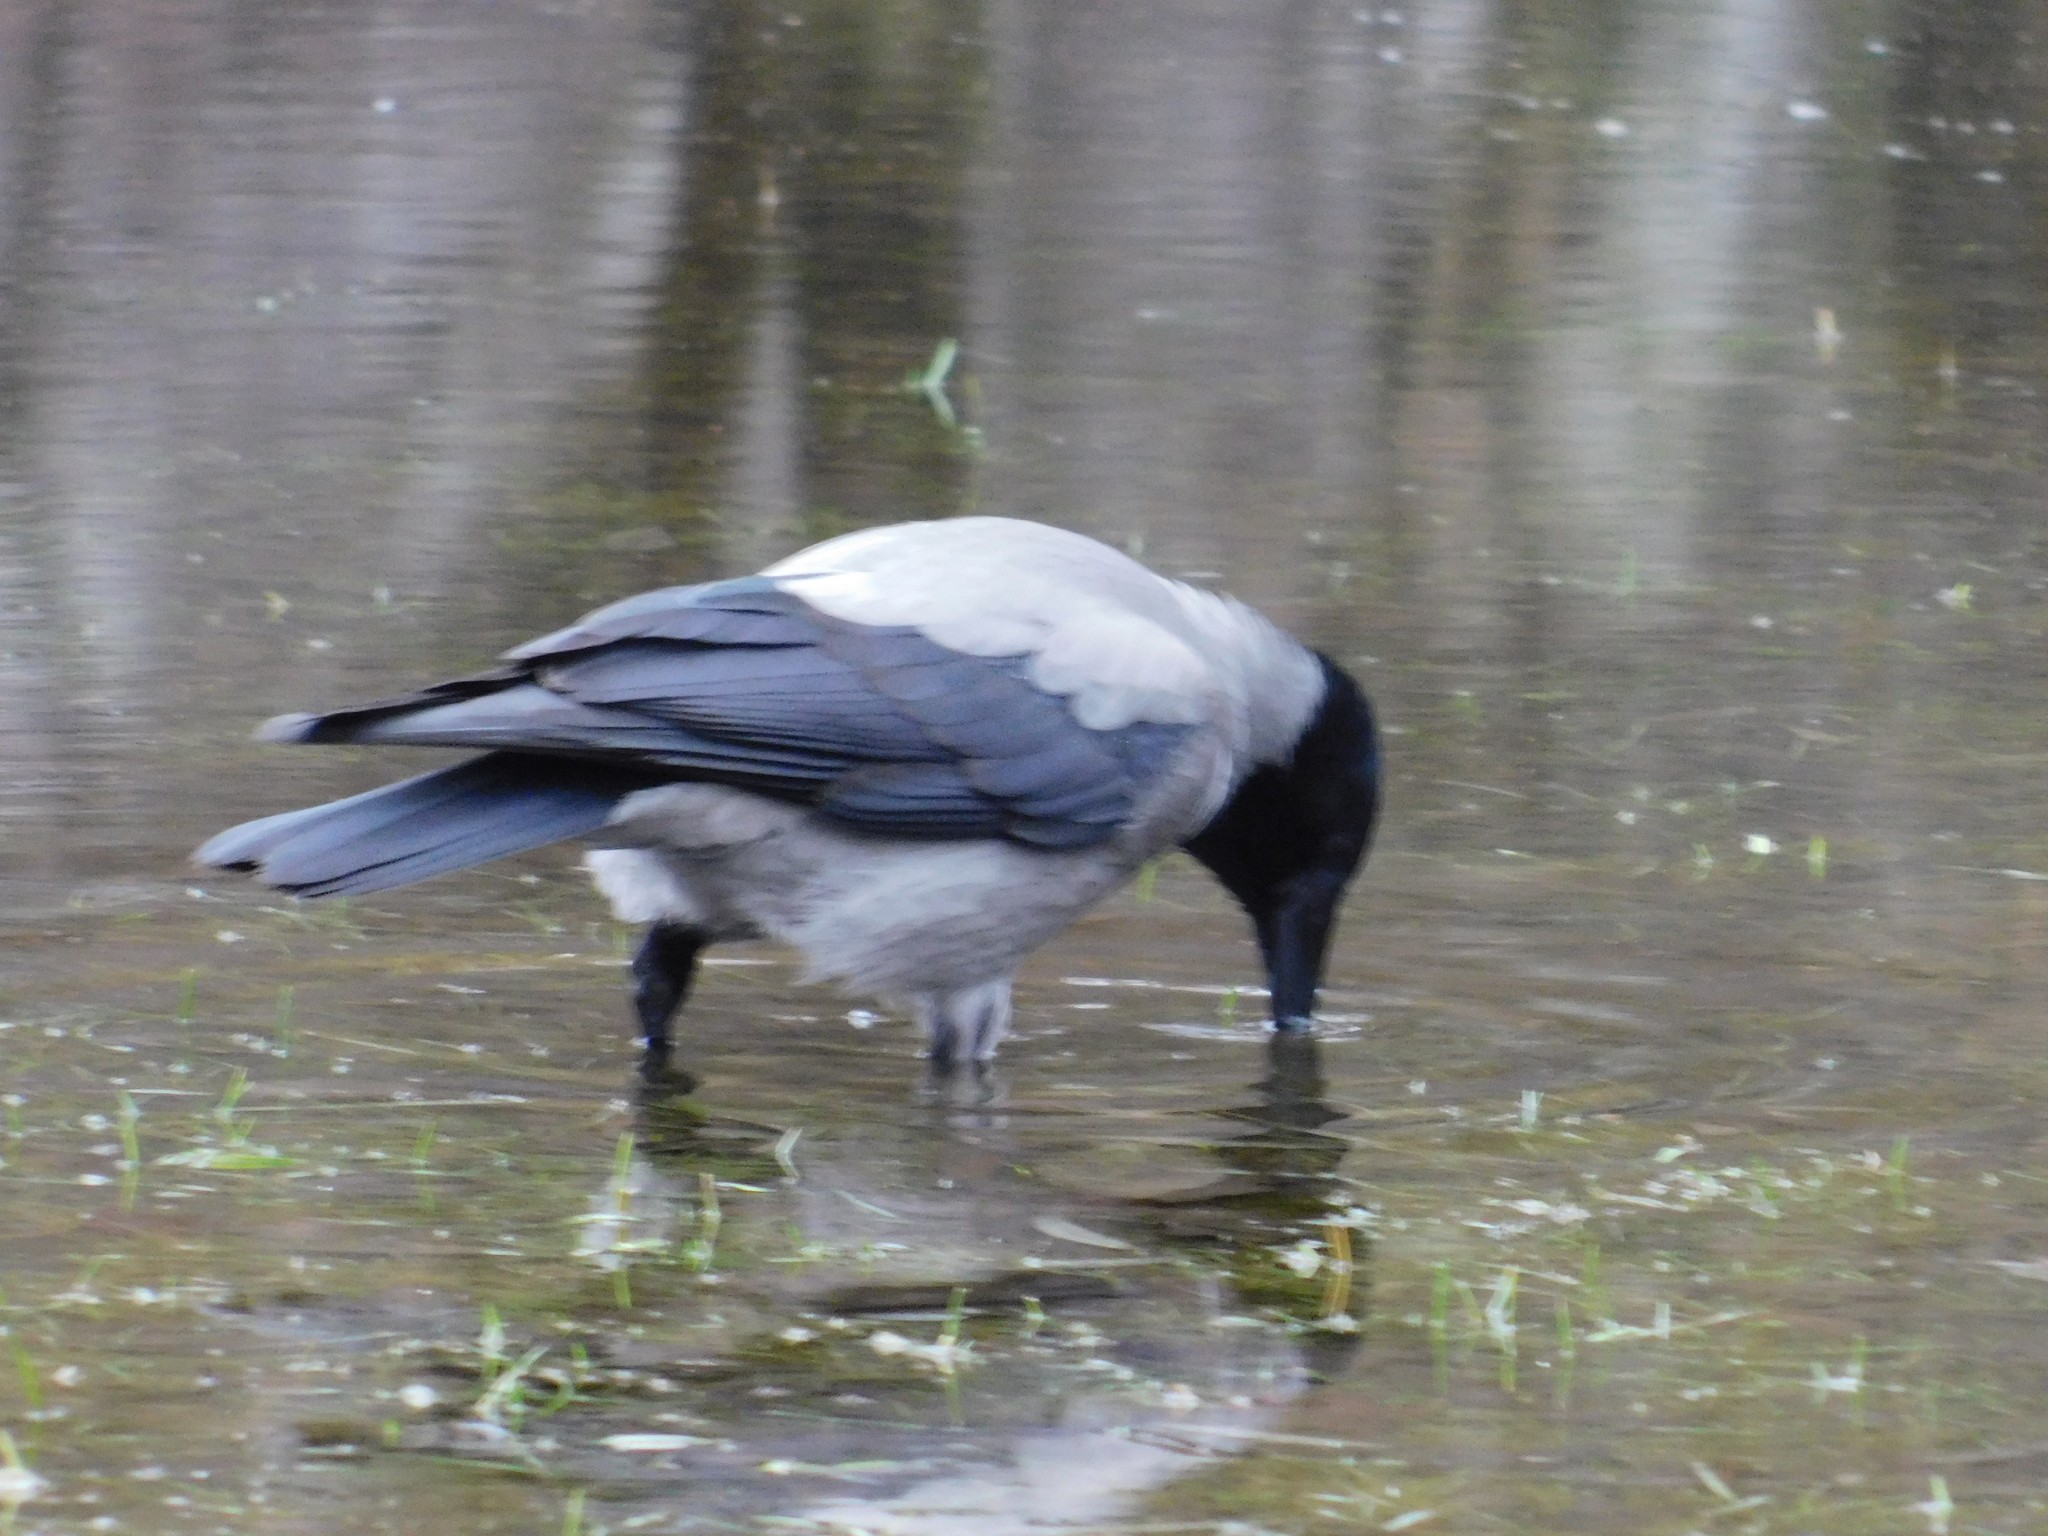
{"points": [[662, 973], [965, 1024]]}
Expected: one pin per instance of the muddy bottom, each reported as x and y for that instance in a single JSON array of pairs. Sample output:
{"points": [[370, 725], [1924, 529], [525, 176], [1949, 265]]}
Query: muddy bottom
{"points": [[366, 1222]]}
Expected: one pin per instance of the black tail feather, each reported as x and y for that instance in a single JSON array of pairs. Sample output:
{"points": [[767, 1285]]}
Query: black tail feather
{"points": [[491, 806]]}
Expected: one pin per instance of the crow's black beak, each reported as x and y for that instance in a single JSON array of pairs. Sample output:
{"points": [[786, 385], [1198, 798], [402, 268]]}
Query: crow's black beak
{"points": [[1294, 940]]}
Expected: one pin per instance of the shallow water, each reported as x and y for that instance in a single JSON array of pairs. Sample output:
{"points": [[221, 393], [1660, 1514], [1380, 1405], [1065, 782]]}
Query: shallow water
{"points": [[1646, 402]]}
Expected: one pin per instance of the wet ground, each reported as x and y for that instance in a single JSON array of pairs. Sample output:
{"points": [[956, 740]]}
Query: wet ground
{"points": [[1645, 400]]}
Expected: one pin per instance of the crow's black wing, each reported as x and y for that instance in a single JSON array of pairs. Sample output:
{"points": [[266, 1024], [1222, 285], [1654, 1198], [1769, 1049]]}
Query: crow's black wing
{"points": [[740, 682]]}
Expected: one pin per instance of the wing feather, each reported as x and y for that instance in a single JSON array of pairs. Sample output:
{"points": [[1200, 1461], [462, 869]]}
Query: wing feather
{"points": [[878, 726]]}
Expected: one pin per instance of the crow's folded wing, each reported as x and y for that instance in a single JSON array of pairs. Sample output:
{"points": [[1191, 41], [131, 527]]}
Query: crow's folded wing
{"points": [[877, 726]]}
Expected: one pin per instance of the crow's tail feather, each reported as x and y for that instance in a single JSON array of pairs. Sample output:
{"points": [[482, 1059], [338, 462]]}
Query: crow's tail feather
{"points": [[490, 806]]}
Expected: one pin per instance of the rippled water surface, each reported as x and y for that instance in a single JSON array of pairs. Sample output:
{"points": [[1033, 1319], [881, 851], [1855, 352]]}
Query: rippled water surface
{"points": [[1644, 399]]}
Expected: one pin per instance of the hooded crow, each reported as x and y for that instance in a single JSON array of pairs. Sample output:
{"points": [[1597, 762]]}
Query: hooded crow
{"points": [[914, 753]]}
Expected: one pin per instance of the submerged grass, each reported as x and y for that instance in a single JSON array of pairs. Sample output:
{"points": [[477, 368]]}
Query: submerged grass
{"points": [[1477, 1305]]}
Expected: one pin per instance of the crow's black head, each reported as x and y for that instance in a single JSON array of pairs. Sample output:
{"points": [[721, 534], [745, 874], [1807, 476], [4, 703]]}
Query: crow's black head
{"points": [[1289, 840]]}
